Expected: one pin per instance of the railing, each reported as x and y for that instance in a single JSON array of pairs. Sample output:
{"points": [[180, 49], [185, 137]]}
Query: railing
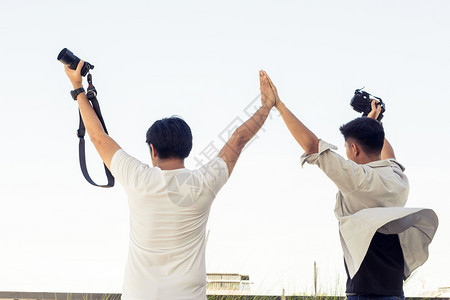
{"points": [[81, 296]]}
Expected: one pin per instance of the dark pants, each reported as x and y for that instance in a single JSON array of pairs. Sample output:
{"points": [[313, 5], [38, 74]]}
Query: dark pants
{"points": [[368, 297]]}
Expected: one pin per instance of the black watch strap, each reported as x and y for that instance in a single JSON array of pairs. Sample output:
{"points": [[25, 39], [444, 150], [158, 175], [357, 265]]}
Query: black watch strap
{"points": [[75, 93]]}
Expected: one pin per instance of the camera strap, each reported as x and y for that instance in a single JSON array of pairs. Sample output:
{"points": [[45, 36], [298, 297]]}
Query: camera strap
{"points": [[92, 97]]}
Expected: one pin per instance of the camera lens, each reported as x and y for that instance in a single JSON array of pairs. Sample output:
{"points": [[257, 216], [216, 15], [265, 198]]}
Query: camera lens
{"points": [[68, 58]]}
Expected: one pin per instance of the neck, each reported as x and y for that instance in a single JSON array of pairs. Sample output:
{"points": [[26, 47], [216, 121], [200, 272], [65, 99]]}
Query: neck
{"points": [[365, 159], [170, 164]]}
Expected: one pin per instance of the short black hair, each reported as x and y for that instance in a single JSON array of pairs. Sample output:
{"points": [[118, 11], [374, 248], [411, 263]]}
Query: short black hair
{"points": [[368, 132], [171, 138]]}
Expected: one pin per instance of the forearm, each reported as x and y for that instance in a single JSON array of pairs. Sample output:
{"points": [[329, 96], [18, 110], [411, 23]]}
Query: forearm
{"points": [[248, 130], [305, 137], [241, 136], [90, 118], [104, 144]]}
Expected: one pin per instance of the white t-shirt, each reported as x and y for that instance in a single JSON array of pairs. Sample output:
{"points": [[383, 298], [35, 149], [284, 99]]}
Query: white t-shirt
{"points": [[169, 210]]}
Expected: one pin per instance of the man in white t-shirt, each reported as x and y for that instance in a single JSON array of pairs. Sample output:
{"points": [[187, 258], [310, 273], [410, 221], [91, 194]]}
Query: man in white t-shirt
{"points": [[169, 204]]}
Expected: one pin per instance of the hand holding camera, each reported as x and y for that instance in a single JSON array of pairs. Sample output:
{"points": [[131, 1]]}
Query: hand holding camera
{"points": [[76, 68], [75, 75], [72, 61], [376, 110], [363, 102]]}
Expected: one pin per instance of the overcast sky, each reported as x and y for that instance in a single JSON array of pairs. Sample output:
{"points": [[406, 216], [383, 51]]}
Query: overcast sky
{"points": [[200, 60]]}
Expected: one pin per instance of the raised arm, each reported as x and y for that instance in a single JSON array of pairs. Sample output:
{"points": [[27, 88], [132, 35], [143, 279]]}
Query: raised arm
{"points": [[244, 133], [104, 144], [387, 151], [305, 137]]}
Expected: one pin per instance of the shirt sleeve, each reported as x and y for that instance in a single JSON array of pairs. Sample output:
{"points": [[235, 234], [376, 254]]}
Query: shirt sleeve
{"points": [[346, 174], [215, 174], [127, 169]]}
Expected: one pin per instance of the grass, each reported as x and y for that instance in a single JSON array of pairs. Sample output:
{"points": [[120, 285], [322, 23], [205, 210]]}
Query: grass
{"points": [[212, 297]]}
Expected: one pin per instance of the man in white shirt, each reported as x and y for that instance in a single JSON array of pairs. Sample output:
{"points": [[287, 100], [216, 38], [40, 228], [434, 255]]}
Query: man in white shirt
{"points": [[383, 242], [169, 204]]}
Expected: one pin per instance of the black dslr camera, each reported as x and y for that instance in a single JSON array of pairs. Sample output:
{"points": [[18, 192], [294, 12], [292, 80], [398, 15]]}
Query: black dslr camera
{"points": [[71, 60], [361, 102]]}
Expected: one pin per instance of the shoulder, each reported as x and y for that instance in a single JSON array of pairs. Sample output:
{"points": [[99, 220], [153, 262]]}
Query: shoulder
{"points": [[395, 164], [129, 171], [324, 149], [214, 174], [215, 167], [389, 172], [390, 164], [122, 158]]}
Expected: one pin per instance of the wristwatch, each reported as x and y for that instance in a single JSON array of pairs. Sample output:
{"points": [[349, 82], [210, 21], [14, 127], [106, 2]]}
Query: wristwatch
{"points": [[77, 92]]}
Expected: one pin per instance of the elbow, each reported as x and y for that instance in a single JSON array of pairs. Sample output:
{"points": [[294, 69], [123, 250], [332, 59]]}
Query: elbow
{"points": [[95, 138], [312, 147]]}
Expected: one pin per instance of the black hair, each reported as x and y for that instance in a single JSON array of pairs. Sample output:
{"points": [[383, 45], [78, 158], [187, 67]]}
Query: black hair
{"points": [[368, 132], [170, 137]]}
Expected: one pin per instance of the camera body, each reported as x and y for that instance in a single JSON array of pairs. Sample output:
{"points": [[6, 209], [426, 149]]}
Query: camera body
{"points": [[71, 60], [361, 102]]}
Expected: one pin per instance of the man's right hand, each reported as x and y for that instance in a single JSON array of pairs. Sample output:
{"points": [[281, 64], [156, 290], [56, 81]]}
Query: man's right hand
{"points": [[305, 137], [244, 133], [75, 75]]}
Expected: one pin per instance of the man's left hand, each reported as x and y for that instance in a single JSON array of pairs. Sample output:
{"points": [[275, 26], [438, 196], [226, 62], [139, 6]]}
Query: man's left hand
{"points": [[267, 95], [376, 110]]}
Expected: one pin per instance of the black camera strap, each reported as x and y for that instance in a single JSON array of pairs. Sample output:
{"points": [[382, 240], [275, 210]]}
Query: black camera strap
{"points": [[92, 97]]}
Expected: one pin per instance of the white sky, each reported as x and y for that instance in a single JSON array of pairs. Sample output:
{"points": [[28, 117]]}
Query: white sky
{"points": [[200, 60]]}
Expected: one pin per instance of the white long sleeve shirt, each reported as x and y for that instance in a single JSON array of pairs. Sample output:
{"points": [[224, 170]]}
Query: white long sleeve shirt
{"points": [[371, 198]]}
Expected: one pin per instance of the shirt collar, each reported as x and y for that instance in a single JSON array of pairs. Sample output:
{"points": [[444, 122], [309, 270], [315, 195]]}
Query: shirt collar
{"points": [[379, 163]]}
